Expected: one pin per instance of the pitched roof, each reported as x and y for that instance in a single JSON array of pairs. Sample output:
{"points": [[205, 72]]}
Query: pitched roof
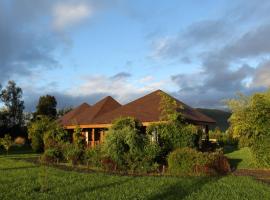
{"points": [[105, 105], [72, 115], [146, 109]]}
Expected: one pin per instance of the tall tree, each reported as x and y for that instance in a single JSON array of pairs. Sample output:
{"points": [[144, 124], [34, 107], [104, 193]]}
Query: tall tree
{"points": [[47, 106], [11, 96]]}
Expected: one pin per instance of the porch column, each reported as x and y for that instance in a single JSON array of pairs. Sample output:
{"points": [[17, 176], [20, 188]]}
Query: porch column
{"points": [[87, 136], [93, 137]]}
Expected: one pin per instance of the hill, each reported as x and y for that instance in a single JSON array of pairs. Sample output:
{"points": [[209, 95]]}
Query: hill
{"points": [[220, 116]]}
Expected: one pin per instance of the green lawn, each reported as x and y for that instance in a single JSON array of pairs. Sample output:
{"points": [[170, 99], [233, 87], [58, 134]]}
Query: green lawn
{"points": [[21, 180], [240, 158]]}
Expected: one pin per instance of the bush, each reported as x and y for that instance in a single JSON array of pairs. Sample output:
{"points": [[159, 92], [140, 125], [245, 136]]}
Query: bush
{"points": [[187, 161], [183, 161], [93, 156], [51, 156], [36, 130], [73, 154], [261, 150], [127, 148], [174, 135]]}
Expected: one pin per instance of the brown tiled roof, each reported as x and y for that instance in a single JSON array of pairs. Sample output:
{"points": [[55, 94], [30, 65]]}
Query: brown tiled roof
{"points": [[146, 109], [69, 117], [105, 105]]}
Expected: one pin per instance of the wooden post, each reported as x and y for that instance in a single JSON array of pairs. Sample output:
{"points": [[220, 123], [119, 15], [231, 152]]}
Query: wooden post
{"points": [[93, 137]]}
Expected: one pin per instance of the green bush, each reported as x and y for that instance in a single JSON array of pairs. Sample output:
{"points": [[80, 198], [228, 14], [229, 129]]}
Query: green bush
{"points": [[73, 154], [173, 135], [183, 161], [93, 156], [127, 147], [261, 150], [187, 161], [51, 155], [36, 130]]}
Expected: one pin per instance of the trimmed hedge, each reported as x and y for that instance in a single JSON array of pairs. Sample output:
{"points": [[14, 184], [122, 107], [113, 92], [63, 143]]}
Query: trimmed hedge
{"points": [[187, 161]]}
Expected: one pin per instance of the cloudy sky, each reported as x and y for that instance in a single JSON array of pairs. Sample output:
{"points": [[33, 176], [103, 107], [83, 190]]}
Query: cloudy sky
{"points": [[202, 52]]}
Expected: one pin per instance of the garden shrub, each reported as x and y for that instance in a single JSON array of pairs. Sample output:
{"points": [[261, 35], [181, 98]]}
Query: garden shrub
{"points": [[261, 150], [36, 130], [73, 154], [187, 161], [128, 148], [51, 155], [183, 161], [78, 138], [174, 135], [93, 156]]}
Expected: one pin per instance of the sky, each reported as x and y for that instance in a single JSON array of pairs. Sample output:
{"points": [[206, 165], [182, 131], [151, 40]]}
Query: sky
{"points": [[201, 52]]}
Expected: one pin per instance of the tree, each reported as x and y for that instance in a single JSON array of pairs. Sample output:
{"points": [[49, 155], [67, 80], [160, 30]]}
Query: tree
{"points": [[63, 111], [250, 115], [36, 130], [250, 122], [11, 96], [6, 142], [47, 106]]}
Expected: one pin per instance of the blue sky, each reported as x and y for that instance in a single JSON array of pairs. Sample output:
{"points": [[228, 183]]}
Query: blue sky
{"points": [[201, 52]]}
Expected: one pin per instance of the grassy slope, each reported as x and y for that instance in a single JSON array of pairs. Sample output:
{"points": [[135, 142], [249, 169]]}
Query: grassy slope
{"points": [[220, 116], [241, 158], [20, 180]]}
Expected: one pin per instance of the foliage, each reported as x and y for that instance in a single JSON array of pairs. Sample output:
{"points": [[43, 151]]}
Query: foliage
{"points": [[261, 150], [187, 161], [174, 135], [63, 111], [36, 130], [51, 155], [124, 122], [55, 135], [250, 115], [11, 96], [73, 154], [169, 109], [6, 142], [46, 106], [78, 138], [93, 156], [250, 122], [223, 138], [128, 147]]}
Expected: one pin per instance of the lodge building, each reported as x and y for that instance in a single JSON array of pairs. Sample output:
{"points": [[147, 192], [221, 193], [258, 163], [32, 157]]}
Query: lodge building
{"points": [[96, 119]]}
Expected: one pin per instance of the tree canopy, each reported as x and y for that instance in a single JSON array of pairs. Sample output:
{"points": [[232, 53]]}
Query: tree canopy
{"points": [[46, 106], [11, 96]]}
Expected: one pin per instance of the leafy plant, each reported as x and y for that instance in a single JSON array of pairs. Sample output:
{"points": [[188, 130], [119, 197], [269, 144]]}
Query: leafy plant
{"points": [[36, 130], [6, 142], [73, 154]]}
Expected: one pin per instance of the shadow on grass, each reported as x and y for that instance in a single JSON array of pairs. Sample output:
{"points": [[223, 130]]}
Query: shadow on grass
{"points": [[102, 186], [180, 190], [229, 149], [17, 168], [234, 162]]}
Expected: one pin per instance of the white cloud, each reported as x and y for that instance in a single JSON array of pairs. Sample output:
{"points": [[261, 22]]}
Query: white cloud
{"points": [[66, 15], [121, 89]]}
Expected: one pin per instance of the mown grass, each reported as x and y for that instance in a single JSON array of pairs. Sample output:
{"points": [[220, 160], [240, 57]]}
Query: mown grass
{"points": [[241, 158], [21, 180]]}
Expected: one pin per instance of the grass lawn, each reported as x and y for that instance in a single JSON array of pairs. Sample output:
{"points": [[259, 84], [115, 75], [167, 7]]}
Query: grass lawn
{"points": [[240, 158], [21, 180]]}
